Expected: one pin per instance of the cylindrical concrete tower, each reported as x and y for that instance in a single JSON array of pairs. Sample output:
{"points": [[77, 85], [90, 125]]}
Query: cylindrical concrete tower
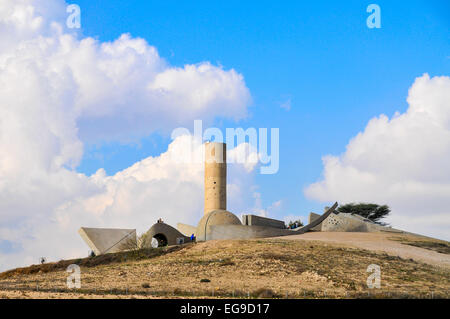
{"points": [[215, 176]]}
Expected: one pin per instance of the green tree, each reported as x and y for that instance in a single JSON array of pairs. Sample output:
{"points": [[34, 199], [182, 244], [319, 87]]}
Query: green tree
{"points": [[373, 212]]}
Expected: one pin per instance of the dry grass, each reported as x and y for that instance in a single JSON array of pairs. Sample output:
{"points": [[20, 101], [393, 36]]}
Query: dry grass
{"points": [[439, 246], [268, 268], [132, 255]]}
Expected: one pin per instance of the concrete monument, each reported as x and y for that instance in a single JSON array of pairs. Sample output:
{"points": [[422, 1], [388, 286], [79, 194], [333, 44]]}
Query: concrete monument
{"points": [[106, 240], [216, 223]]}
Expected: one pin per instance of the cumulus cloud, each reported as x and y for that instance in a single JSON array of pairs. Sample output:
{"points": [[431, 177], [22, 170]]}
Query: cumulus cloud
{"points": [[258, 207], [402, 162], [59, 91]]}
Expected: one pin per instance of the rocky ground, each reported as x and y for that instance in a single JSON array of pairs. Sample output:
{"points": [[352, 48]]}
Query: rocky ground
{"points": [[313, 265]]}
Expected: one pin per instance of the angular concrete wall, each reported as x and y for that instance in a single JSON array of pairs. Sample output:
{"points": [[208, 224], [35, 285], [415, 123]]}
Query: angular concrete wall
{"points": [[253, 220], [107, 240]]}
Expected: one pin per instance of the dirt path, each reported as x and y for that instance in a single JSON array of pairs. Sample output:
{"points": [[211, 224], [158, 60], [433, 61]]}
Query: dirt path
{"points": [[382, 242]]}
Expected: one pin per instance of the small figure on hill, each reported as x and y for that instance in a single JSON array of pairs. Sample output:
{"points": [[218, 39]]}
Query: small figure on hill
{"points": [[294, 224]]}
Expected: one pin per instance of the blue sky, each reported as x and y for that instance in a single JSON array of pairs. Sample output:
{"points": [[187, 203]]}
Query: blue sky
{"points": [[320, 55]]}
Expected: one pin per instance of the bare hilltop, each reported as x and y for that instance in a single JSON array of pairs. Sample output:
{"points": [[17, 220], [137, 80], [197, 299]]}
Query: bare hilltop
{"points": [[312, 265]]}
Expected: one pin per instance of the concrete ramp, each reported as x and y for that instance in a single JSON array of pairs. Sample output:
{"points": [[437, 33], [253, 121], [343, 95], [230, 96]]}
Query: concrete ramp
{"points": [[317, 221], [106, 240]]}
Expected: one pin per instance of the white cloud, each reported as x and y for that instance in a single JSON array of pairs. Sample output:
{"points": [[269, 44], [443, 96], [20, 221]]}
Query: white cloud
{"points": [[259, 209], [245, 154], [114, 89], [59, 91], [402, 162]]}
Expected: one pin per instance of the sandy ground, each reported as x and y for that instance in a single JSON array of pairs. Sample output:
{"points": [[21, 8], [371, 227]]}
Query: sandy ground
{"points": [[379, 242]]}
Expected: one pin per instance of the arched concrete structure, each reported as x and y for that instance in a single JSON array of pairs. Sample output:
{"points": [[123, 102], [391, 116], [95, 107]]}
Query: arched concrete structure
{"points": [[214, 218], [215, 176], [165, 234]]}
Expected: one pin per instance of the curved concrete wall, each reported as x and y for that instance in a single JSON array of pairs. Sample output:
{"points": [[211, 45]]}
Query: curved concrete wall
{"points": [[213, 218], [312, 217], [215, 176]]}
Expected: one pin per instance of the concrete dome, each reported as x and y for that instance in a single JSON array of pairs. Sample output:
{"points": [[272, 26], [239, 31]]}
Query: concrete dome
{"points": [[165, 234], [215, 217]]}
